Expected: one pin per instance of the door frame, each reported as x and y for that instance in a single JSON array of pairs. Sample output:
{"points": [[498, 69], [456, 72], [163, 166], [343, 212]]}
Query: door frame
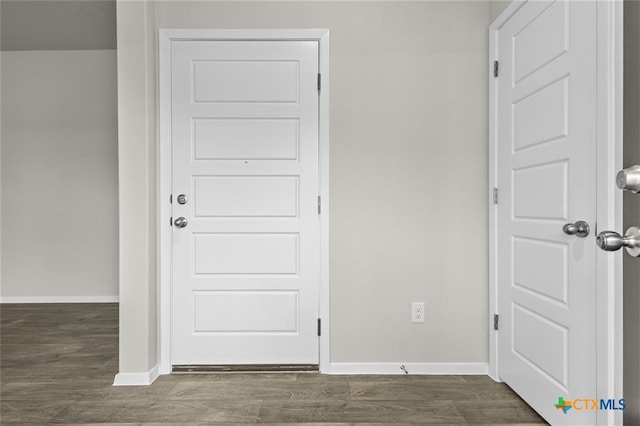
{"points": [[166, 36], [609, 199]]}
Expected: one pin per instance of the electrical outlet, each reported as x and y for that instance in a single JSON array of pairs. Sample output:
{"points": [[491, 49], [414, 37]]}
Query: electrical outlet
{"points": [[417, 312]]}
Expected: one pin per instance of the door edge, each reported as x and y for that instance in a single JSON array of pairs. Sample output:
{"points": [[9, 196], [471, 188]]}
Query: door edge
{"points": [[494, 28], [609, 148]]}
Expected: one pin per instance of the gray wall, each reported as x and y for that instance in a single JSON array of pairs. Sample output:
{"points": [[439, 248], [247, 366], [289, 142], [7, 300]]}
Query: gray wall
{"points": [[408, 166], [631, 212], [58, 25], [496, 7], [59, 151]]}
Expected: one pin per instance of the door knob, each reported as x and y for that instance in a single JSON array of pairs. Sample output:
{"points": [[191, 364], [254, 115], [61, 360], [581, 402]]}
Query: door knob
{"points": [[180, 222], [629, 179], [580, 229], [612, 241], [182, 199]]}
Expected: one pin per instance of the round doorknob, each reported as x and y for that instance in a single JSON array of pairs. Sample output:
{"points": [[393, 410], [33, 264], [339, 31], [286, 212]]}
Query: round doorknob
{"points": [[629, 179], [612, 241], [580, 229], [180, 222]]}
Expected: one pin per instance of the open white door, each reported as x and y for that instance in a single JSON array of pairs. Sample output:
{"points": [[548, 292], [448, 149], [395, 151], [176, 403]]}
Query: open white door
{"points": [[545, 135]]}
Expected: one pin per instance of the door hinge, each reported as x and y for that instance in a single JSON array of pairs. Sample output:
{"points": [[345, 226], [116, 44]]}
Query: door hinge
{"points": [[496, 66], [496, 319], [319, 327], [495, 195], [319, 204], [319, 82]]}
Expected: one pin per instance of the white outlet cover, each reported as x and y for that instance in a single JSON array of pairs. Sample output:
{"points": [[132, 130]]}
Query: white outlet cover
{"points": [[417, 312]]}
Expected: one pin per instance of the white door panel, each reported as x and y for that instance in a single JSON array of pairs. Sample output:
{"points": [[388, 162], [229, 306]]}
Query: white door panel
{"points": [[543, 37], [244, 123], [235, 139], [245, 80], [541, 116], [246, 253], [246, 311], [546, 176], [246, 196]]}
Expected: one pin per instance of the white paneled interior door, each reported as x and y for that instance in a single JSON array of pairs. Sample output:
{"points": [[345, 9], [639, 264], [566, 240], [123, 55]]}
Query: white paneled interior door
{"points": [[546, 130], [244, 130]]}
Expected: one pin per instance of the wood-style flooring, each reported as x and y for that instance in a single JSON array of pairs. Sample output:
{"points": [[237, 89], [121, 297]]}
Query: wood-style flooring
{"points": [[57, 363]]}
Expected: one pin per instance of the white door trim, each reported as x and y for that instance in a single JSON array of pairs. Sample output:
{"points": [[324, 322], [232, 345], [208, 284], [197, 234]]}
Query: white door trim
{"points": [[609, 199], [166, 36]]}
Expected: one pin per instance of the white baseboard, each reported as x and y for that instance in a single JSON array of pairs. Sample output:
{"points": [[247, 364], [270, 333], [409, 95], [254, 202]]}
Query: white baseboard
{"points": [[136, 379], [61, 299], [452, 368], [386, 368]]}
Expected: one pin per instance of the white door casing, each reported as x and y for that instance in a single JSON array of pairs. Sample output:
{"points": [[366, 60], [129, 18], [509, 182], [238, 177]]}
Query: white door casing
{"points": [[546, 112], [247, 275]]}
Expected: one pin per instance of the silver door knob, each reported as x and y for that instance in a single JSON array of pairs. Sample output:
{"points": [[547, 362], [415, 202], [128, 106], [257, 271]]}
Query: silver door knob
{"points": [[629, 179], [180, 222], [580, 229], [182, 199], [612, 241]]}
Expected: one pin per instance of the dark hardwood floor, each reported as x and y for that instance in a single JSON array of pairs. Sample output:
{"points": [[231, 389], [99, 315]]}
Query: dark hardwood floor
{"points": [[57, 363]]}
